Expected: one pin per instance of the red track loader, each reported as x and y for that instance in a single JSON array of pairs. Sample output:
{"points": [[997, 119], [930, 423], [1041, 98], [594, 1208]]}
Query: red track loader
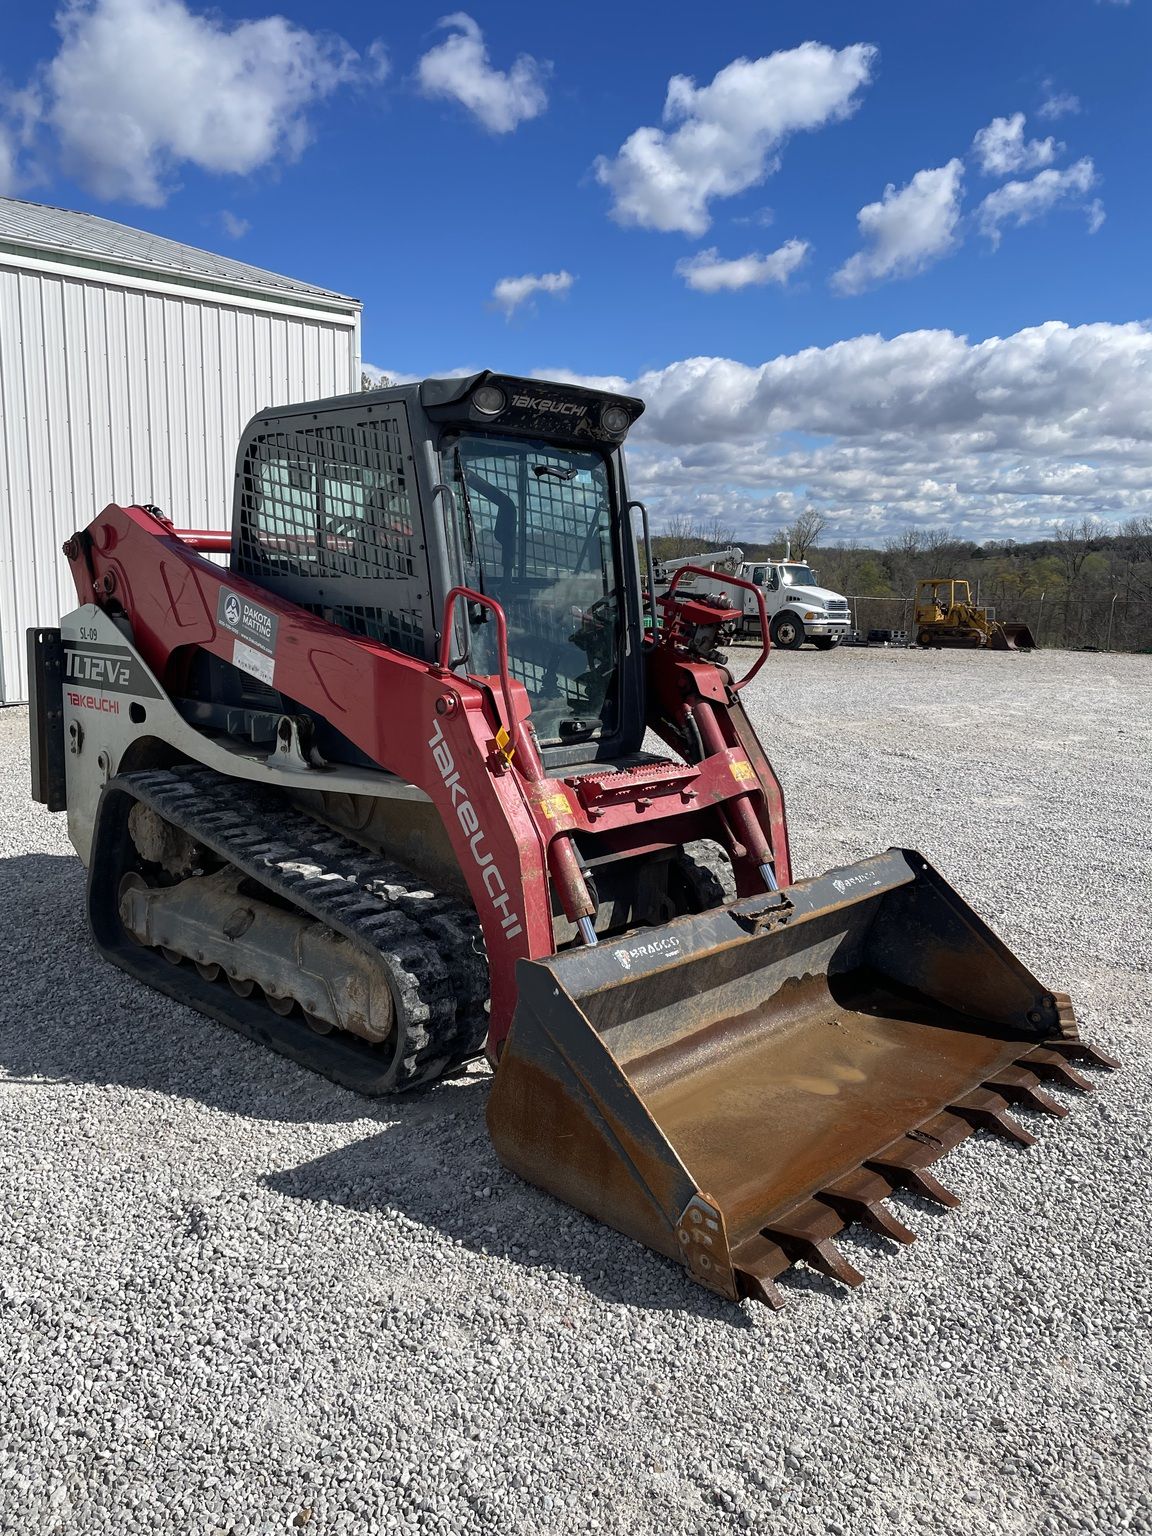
{"points": [[376, 792]]}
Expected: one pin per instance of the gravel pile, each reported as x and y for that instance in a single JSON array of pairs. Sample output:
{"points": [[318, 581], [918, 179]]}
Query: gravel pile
{"points": [[234, 1298]]}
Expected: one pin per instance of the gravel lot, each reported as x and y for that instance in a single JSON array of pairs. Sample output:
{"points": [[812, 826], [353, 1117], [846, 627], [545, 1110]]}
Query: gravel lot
{"points": [[235, 1298]]}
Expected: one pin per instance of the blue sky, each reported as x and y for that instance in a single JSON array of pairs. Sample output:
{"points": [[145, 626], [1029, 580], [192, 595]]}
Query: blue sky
{"points": [[417, 166]]}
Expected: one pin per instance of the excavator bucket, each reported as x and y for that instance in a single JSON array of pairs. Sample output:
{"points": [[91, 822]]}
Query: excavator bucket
{"points": [[1011, 637], [734, 1088]]}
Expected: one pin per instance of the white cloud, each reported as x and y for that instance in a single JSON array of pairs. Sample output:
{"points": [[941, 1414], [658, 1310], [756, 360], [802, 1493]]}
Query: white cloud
{"points": [[20, 114], [907, 230], [459, 68], [1057, 104], [139, 87], [1001, 148], [510, 292], [1096, 215], [1019, 202], [9, 178], [728, 132], [708, 272], [998, 438], [234, 226]]}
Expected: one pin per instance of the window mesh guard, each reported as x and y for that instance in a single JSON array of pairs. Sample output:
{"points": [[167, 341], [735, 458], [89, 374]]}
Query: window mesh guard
{"points": [[326, 509]]}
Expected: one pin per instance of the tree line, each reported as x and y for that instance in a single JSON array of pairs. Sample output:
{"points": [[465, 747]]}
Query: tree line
{"points": [[1089, 584]]}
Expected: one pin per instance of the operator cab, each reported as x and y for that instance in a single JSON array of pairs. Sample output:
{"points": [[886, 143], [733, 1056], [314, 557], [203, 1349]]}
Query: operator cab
{"points": [[369, 509]]}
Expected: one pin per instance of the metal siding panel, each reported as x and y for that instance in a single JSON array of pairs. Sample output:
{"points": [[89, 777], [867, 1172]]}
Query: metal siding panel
{"points": [[145, 418], [118, 375], [294, 377], [310, 378], [76, 370], [15, 531], [37, 500], [187, 401], [278, 346], [264, 391], [212, 428], [234, 402], [96, 380], [171, 385]]}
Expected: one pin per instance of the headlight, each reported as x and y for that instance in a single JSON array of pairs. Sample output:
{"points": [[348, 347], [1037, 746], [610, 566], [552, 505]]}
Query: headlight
{"points": [[614, 419], [489, 399], [813, 615]]}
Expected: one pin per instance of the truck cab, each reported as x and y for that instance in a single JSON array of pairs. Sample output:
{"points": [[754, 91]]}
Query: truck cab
{"points": [[799, 609]]}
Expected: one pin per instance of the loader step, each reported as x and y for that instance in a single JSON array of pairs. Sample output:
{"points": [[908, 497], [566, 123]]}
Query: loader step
{"points": [[426, 947]]}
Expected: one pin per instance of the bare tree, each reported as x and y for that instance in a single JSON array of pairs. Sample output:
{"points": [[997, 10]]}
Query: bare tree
{"points": [[721, 534], [679, 538], [1074, 542], [939, 542], [806, 530]]}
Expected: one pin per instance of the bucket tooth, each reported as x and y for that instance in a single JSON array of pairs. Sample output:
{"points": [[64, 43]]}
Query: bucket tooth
{"points": [[757, 1263], [753, 1287], [1080, 1050], [904, 1163], [806, 1233], [989, 1112], [1051, 1064], [858, 1196], [1019, 1086]]}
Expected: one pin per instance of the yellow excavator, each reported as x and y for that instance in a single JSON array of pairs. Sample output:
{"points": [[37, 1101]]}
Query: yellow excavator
{"points": [[945, 615]]}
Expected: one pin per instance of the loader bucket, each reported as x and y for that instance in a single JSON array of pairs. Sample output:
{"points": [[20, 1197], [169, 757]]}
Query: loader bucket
{"points": [[734, 1088], [1011, 637]]}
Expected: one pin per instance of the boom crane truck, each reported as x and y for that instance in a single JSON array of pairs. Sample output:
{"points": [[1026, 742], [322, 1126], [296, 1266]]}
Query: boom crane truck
{"points": [[375, 792], [799, 611]]}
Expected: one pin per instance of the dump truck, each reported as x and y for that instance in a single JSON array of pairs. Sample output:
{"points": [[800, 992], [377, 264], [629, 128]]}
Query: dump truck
{"points": [[365, 778], [799, 611], [946, 617]]}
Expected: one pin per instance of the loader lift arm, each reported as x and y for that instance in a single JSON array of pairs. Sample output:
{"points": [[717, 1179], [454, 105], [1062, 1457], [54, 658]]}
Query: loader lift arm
{"points": [[510, 824]]}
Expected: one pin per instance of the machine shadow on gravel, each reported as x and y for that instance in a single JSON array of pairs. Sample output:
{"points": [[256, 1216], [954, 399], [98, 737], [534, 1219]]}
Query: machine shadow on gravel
{"points": [[70, 1019], [414, 1168]]}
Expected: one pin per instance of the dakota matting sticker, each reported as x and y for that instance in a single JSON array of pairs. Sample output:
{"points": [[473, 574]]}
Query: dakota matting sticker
{"points": [[247, 619]]}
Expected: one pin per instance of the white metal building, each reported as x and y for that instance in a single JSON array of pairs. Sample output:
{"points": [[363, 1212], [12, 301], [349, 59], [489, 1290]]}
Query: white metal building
{"points": [[128, 366]]}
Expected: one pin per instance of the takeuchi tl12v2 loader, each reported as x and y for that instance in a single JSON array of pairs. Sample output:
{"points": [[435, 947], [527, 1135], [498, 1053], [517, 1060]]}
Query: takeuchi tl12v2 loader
{"points": [[375, 792]]}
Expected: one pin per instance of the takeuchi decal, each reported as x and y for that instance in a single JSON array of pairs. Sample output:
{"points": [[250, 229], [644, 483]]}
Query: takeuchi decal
{"points": [[494, 882], [554, 407]]}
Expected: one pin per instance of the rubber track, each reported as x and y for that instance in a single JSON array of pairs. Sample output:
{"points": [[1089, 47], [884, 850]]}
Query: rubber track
{"points": [[430, 945], [708, 871]]}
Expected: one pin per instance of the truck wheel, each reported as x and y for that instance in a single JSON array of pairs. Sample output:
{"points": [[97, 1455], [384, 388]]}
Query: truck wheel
{"points": [[787, 632], [826, 642]]}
